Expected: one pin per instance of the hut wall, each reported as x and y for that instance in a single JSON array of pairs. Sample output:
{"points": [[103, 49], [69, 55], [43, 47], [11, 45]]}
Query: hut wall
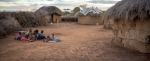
{"points": [[133, 34], [48, 18], [88, 20], [56, 18], [108, 24]]}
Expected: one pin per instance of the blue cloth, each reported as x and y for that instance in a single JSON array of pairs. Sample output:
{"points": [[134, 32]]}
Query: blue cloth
{"points": [[56, 40], [40, 35]]}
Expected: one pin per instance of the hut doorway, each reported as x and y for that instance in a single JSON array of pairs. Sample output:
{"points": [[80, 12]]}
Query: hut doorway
{"points": [[52, 15]]}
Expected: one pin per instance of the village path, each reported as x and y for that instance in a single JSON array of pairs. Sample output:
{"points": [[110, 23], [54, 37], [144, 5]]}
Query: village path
{"points": [[79, 43]]}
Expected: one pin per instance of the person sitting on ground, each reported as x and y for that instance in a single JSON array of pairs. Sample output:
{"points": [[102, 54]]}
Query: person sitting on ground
{"points": [[53, 39], [29, 33], [18, 37], [36, 32], [47, 39], [32, 37], [23, 37], [40, 35], [53, 35]]}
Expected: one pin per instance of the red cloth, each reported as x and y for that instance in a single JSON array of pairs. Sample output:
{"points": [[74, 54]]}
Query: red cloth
{"points": [[24, 38]]}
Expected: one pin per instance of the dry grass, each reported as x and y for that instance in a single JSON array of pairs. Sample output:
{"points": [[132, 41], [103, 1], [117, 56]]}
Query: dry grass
{"points": [[79, 43], [8, 25], [29, 19], [14, 21]]}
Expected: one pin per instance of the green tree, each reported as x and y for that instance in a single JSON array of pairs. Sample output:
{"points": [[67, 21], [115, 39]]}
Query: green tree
{"points": [[83, 6], [76, 9], [66, 11]]}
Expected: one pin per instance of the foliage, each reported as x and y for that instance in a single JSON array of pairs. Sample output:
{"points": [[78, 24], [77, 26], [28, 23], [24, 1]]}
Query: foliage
{"points": [[76, 9]]}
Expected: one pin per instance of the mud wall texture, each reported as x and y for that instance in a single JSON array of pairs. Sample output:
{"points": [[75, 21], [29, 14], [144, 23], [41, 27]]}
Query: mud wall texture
{"points": [[88, 20], [56, 18], [48, 18], [108, 24], [132, 34]]}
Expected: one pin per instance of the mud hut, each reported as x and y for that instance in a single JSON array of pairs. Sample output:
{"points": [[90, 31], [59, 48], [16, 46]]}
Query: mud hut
{"points": [[131, 24], [89, 16], [51, 13], [107, 23]]}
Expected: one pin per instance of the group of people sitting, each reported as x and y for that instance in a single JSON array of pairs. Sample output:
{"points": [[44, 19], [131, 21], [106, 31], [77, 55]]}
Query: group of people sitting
{"points": [[36, 35]]}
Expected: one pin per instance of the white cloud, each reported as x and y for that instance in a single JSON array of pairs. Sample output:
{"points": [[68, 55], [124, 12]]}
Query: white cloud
{"points": [[30, 4]]}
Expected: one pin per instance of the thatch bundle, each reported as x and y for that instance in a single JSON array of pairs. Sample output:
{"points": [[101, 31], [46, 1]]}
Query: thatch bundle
{"points": [[48, 10], [8, 25], [129, 10]]}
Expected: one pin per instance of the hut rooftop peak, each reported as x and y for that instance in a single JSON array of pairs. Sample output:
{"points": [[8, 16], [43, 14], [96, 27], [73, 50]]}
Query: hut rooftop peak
{"points": [[87, 11], [48, 10]]}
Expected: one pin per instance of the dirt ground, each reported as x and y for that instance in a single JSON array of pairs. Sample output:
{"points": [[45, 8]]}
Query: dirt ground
{"points": [[79, 43]]}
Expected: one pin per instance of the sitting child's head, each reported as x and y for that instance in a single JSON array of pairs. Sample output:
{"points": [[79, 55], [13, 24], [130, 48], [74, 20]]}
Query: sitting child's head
{"points": [[36, 31], [48, 36], [42, 31], [30, 30], [19, 33], [52, 35]]}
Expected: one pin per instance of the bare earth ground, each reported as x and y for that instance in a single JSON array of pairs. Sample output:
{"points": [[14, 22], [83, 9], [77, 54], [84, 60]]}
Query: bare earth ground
{"points": [[79, 43]]}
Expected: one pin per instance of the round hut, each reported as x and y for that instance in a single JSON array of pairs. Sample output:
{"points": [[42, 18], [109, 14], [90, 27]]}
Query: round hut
{"points": [[89, 16], [107, 23], [131, 24], [51, 13]]}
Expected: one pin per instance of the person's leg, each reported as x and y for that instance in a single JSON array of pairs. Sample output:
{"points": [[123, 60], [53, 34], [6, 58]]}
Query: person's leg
{"points": [[38, 38], [44, 37], [19, 38]]}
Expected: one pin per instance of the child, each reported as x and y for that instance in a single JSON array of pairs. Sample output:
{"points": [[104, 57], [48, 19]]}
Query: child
{"points": [[23, 37], [18, 37], [47, 39], [40, 35], [32, 37], [28, 33], [54, 39], [53, 35]]}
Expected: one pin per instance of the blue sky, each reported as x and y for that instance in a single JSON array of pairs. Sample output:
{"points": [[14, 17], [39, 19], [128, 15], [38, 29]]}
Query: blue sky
{"points": [[62, 4]]}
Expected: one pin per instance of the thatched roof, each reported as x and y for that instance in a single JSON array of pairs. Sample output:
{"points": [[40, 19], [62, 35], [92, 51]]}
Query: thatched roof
{"points": [[89, 12], [129, 10], [48, 10]]}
